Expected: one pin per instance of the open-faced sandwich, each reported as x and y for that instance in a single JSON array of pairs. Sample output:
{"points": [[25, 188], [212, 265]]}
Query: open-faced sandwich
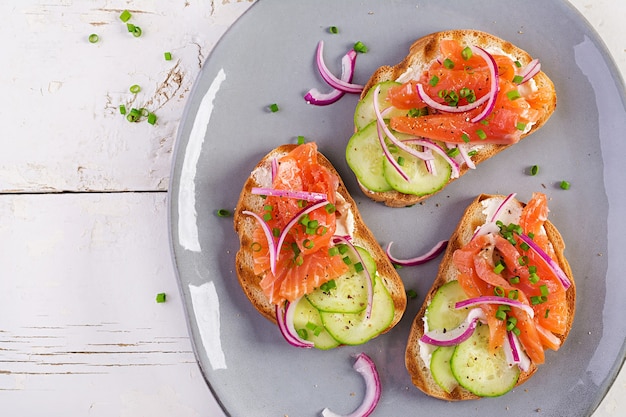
{"points": [[503, 295], [458, 98], [307, 261]]}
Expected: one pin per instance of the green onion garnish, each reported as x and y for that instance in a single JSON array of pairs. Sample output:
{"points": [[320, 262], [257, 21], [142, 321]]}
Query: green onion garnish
{"points": [[564, 185], [303, 334], [448, 63], [267, 217], [136, 31], [511, 322], [518, 79], [330, 208], [347, 260], [547, 313], [333, 29], [152, 118], [273, 107], [358, 267], [135, 89], [524, 246], [514, 280], [453, 152], [544, 290], [518, 64], [328, 285], [533, 277], [160, 297], [499, 291], [301, 139], [434, 81], [93, 38], [332, 251], [498, 268], [122, 109], [415, 112], [343, 249], [411, 294], [125, 16], [308, 244], [400, 161], [223, 213], [167, 56], [465, 138], [130, 27], [513, 95], [513, 294], [481, 134], [516, 331], [255, 247], [276, 232], [360, 47], [466, 53]]}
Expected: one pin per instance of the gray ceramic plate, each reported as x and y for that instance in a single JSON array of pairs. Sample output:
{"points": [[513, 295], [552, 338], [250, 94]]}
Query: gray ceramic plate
{"points": [[268, 57]]}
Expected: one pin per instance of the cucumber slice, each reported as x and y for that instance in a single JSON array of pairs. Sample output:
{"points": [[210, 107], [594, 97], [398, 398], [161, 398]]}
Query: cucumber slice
{"points": [[350, 292], [364, 113], [440, 368], [307, 321], [354, 329], [441, 313], [365, 158], [421, 182], [480, 372]]}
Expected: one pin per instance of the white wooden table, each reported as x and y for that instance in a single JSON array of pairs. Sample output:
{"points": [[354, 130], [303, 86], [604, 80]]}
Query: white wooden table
{"points": [[83, 231]]}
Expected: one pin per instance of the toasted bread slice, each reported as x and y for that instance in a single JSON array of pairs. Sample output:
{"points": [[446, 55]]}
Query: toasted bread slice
{"points": [[473, 217], [362, 236], [421, 55]]}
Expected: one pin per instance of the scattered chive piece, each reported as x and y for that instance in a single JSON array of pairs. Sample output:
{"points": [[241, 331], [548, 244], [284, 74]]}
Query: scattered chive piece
{"points": [[513, 294], [472, 152], [122, 109], [267, 217], [135, 89], [465, 138], [303, 334], [125, 16], [301, 140], [358, 267], [499, 291], [481, 134], [411, 294], [223, 213], [415, 112], [268, 207], [308, 244], [466, 53], [518, 64], [520, 126], [343, 249], [547, 313], [328, 285], [516, 331], [434, 81], [564, 185], [544, 290], [152, 118], [167, 56], [347, 260], [330, 208], [360, 47], [534, 278], [160, 297], [498, 268], [518, 79], [273, 107], [333, 250], [400, 161], [93, 38], [452, 152], [276, 232], [448, 63], [513, 95], [130, 27], [333, 29], [501, 315], [137, 31], [514, 280]]}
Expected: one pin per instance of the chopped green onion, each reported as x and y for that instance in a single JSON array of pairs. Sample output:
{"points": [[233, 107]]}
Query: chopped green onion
{"points": [[524, 246], [321, 230], [301, 140], [518, 79], [448, 63], [308, 243], [465, 138], [136, 31], [466, 53], [499, 291], [511, 322], [415, 112], [498, 268], [544, 290], [130, 27], [223, 213], [268, 207], [452, 152], [533, 277], [518, 64], [333, 250], [276, 232], [267, 217], [513, 294], [400, 161], [135, 89], [534, 300], [522, 260], [298, 260], [411, 294], [564, 185], [516, 331], [160, 297], [434, 81], [360, 47], [358, 267], [343, 249], [94, 38], [330, 208], [531, 235], [273, 107], [481, 134], [501, 315], [333, 29], [125, 16], [469, 95], [534, 170], [152, 118], [255, 247], [532, 269], [514, 280], [167, 56], [122, 109], [472, 152], [347, 260], [328, 285], [513, 95], [547, 313]]}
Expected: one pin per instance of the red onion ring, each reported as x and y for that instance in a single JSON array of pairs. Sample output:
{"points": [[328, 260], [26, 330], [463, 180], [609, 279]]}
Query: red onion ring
{"points": [[446, 337], [501, 207], [370, 288], [298, 195], [373, 390], [285, 323], [562, 276], [432, 145], [328, 76], [444, 107], [493, 85], [388, 155], [348, 65], [421, 259], [274, 168], [494, 299], [421, 155], [293, 222], [514, 353], [465, 156], [270, 239], [530, 70]]}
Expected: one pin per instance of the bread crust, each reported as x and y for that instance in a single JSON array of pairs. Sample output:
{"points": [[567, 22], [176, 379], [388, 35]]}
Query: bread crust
{"points": [[244, 225], [421, 54], [471, 219]]}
